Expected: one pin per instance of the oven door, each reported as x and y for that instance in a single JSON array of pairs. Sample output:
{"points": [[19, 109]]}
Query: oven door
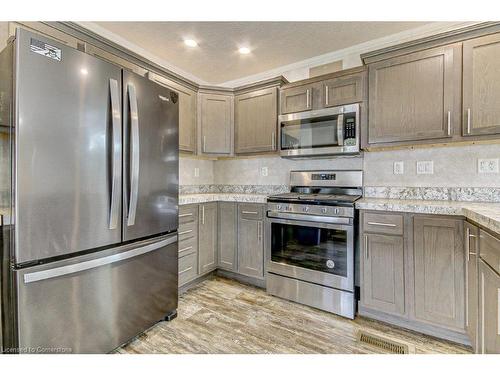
{"points": [[320, 253]]}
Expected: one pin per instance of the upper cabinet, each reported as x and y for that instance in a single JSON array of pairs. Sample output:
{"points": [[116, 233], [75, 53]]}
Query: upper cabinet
{"points": [[296, 99], [414, 97], [187, 112], [481, 86], [255, 121], [330, 90], [216, 123]]}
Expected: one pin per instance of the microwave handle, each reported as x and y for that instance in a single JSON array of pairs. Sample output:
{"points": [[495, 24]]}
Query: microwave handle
{"points": [[340, 129]]}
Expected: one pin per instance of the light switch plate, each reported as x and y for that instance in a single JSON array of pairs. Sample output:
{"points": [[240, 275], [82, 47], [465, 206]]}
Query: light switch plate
{"points": [[425, 167], [487, 165], [264, 171], [399, 167], [197, 172]]}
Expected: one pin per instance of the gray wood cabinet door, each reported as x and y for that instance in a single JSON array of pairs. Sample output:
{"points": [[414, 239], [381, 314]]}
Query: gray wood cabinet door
{"points": [[481, 86], [250, 241], [439, 272], [207, 237], [415, 97], [343, 90], [489, 309], [228, 243], [187, 120], [216, 122], [471, 288], [256, 121], [296, 99], [383, 285]]}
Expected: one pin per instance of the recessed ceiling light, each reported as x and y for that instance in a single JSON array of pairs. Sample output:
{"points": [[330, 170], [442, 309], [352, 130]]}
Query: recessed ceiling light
{"points": [[190, 42], [244, 50]]}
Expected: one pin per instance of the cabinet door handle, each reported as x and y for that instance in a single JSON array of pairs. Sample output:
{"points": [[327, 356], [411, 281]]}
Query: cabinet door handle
{"points": [[186, 270], [185, 215], [449, 123], [249, 212], [185, 249], [326, 95], [381, 224], [204, 143], [185, 232], [308, 98], [467, 243], [203, 215], [259, 231], [366, 246], [273, 140], [468, 121]]}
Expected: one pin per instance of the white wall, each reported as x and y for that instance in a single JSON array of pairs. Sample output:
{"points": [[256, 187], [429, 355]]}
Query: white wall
{"points": [[187, 172], [453, 167]]}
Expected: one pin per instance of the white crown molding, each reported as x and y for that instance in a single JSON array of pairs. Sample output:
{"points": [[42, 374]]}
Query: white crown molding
{"points": [[140, 51], [393, 39]]}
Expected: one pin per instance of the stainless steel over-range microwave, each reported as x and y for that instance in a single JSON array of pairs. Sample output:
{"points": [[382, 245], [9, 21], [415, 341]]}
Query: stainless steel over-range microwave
{"points": [[324, 132]]}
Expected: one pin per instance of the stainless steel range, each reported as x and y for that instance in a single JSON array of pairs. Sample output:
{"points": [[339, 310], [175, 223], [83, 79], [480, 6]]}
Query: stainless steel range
{"points": [[310, 240]]}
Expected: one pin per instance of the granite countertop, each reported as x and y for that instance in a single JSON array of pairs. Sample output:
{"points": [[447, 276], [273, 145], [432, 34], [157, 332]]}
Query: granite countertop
{"points": [[222, 197], [483, 213]]}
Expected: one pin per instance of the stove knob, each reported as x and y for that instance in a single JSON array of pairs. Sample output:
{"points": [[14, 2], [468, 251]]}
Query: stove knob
{"points": [[305, 209], [278, 207], [324, 210], [336, 211]]}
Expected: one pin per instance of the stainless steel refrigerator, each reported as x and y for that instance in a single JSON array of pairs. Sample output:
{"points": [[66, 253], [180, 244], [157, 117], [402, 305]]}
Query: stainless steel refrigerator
{"points": [[89, 259]]}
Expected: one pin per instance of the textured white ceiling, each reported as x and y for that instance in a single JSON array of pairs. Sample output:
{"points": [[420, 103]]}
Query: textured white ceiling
{"points": [[273, 44]]}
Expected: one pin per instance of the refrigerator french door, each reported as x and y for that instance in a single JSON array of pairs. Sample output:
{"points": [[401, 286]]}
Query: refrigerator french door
{"points": [[90, 143]]}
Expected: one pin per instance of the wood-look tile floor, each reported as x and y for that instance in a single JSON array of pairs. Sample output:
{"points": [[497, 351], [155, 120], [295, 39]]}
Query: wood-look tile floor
{"points": [[224, 316]]}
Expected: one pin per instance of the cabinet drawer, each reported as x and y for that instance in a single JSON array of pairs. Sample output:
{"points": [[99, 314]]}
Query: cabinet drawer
{"points": [[188, 246], [188, 214], [188, 267], [489, 249], [188, 230], [251, 211], [383, 223]]}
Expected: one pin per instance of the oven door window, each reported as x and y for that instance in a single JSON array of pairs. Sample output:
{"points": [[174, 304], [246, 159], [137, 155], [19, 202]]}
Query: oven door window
{"points": [[313, 248], [309, 133]]}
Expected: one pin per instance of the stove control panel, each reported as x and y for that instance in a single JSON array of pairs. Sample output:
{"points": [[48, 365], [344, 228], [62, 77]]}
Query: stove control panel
{"points": [[311, 210]]}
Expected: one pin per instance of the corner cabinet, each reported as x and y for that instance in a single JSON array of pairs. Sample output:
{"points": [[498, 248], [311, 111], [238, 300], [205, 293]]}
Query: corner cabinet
{"points": [[208, 231], [215, 124], [481, 86], [415, 97], [255, 121]]}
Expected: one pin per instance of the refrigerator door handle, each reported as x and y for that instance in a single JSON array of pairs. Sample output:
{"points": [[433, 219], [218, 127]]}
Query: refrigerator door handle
{"points": [[134, 160], [116, 154], [94, 263]]}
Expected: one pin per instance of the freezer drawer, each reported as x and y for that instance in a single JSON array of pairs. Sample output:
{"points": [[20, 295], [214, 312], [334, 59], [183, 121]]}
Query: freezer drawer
{"points": [[95, 303]]}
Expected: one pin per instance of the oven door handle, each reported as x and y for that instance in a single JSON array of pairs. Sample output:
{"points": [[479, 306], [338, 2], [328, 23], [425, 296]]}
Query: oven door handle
{"points": [[312, 218]]}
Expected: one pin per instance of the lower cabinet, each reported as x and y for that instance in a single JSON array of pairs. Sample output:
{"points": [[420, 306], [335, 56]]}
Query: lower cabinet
{"points": [[438, 253], [224, 235], [251, 240], [413, 272], [383, 273], [207, 237], [489, 307]]}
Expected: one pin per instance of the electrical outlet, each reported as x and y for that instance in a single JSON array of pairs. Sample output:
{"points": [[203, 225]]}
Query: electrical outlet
{"points": [[487, 165], [197, 172], [425, 167], [264, 171], [399, 167]]}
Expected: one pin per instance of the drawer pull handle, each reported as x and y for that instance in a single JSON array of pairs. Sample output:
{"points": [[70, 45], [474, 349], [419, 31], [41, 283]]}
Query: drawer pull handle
{"points": [[381, 224], [186, 270], [185, 232], [185, 215], [185, 249], [249, 212]]}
